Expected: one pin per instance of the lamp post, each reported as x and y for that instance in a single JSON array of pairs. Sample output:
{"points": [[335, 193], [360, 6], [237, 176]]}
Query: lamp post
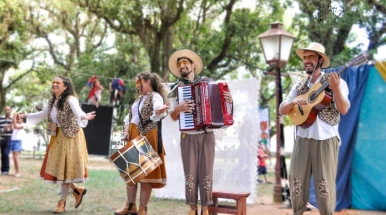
{"points": [[277, 44]]}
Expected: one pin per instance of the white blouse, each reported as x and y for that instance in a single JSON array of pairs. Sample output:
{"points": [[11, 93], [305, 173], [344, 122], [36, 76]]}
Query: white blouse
{"points": [[35, 118], [157, 102]]}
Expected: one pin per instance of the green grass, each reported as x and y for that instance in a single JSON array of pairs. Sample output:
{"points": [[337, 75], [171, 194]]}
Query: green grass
{"points": [[106, 192]]}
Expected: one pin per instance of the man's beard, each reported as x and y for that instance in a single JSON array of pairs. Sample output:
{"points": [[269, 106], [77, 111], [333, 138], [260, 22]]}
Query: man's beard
{"points": [[185, 73], [310, 71]]}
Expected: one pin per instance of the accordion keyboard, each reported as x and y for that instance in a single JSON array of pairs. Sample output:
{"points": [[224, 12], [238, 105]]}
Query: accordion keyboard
{"points": [[186, 118]]}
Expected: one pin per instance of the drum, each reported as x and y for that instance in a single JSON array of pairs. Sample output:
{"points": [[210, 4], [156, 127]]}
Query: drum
{"points": [[136, 160]]}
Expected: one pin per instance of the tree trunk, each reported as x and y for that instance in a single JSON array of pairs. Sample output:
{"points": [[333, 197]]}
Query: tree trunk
{"points": [[2, 91], [167, 51], [2, 99], [154, 55]]}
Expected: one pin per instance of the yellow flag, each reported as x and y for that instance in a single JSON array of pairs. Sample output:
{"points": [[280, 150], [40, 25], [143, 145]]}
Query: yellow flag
{"points": [[381, 67]]}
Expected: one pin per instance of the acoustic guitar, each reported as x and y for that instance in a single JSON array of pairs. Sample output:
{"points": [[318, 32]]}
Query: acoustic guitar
{"points": [[318, 97]]}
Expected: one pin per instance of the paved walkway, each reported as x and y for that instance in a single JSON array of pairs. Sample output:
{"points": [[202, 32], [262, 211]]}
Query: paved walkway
{"points": [[277, 209]]}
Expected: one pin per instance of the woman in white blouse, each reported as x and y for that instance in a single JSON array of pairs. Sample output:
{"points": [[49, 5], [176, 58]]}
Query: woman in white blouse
{"points": [[144, 119], [66, 157]]}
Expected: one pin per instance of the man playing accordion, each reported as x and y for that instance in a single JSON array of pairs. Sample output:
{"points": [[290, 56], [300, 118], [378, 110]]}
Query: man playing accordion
{"points": [[197, 146]]}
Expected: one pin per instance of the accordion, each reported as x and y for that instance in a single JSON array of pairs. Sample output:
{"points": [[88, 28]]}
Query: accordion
{"points": [[211, 110]]}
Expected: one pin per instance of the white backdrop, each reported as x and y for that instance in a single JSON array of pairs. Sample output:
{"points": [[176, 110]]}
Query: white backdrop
{"points": [[235, 160]]}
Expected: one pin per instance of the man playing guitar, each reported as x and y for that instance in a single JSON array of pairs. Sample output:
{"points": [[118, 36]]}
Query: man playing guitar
{"points": [[316, 147]]}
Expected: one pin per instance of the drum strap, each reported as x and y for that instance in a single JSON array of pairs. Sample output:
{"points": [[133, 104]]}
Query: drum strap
{"points": [[160, 143]]}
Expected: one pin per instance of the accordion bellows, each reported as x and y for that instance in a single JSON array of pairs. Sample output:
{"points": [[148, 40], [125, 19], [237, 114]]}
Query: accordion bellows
{"points": [[211, 111]]}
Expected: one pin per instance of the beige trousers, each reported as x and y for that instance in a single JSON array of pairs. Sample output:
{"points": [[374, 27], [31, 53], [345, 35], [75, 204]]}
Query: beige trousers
{"points": [[197, 152], [320, 159]]}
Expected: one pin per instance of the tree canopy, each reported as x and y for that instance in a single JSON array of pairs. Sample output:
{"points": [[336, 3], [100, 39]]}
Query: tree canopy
{"points": [[113, 38]]}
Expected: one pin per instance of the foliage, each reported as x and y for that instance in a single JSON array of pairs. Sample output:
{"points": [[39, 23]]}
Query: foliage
{"points": [[112, 38], [330, 23], [244, 26], [224, 43], [78, 32], [39, 90], [13, 35], [374, 20]]}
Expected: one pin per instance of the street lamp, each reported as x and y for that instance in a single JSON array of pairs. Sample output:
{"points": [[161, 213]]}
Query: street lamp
{"points": [[277, 44]]}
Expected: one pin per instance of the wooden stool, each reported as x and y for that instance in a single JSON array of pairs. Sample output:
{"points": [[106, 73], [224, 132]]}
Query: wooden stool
{"points": [[239, 209]]}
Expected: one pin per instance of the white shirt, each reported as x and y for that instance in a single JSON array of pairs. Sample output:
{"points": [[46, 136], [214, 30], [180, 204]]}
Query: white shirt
{"points": [[35, 118], [173, 105], [18, 133], [157, 102], [319, 130]]}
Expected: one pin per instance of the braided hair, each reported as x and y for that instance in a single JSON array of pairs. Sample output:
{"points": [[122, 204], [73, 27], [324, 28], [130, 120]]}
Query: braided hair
{"points": [[69, 91]]}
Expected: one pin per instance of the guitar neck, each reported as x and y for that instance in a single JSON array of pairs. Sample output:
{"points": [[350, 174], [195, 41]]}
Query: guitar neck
{"points": [[339, 72], [356, 61]]}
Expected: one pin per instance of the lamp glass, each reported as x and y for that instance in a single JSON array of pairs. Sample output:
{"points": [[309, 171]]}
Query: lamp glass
{"points": [[286, 45], [271, 47]]}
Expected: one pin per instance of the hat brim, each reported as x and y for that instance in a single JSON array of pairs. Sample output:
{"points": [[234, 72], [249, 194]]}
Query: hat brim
{"points": [[185, 53], [326, 61]]}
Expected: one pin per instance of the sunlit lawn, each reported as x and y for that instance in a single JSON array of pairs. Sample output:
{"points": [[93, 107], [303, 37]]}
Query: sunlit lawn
{"points": [[106, 192]]}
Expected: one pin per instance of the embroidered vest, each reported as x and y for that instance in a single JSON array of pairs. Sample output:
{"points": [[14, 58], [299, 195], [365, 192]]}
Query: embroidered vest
{"points": [[66, 119], [329, 113], [146, 124]]}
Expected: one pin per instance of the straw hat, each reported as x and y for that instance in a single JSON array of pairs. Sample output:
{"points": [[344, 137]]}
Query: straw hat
{"points": [[316, 47], [185, 53]]}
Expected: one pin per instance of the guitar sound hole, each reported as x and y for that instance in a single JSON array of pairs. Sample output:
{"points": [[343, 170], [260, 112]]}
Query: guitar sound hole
{"points": [[312, 97]]}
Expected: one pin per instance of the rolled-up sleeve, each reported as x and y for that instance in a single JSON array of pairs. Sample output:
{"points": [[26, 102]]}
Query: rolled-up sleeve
{"points": [[173, 105], [345, 91], [291, 96]]}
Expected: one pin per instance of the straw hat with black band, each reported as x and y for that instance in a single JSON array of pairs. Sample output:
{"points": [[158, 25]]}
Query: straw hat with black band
{"points": [[318, 48], [188, 54]]}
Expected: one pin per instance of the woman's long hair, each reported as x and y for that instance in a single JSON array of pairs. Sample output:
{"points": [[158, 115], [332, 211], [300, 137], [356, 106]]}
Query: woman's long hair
{"points": [[69, 91], [155, 82]]}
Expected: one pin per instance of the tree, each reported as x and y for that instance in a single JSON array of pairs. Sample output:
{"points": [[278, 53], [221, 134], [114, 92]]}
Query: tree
{"points": [[30, 95], [150, 21], [13, 39], [375, 23], [163, 26], [82, 32], [330, 23]]}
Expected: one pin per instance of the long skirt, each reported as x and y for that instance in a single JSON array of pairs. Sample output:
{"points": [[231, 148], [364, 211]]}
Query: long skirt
{"points": [[158, 176], [66, 159]]}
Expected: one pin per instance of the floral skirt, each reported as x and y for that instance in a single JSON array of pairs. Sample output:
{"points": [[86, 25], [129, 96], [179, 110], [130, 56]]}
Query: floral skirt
{"points": [[66, 159], [158, 176]]}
